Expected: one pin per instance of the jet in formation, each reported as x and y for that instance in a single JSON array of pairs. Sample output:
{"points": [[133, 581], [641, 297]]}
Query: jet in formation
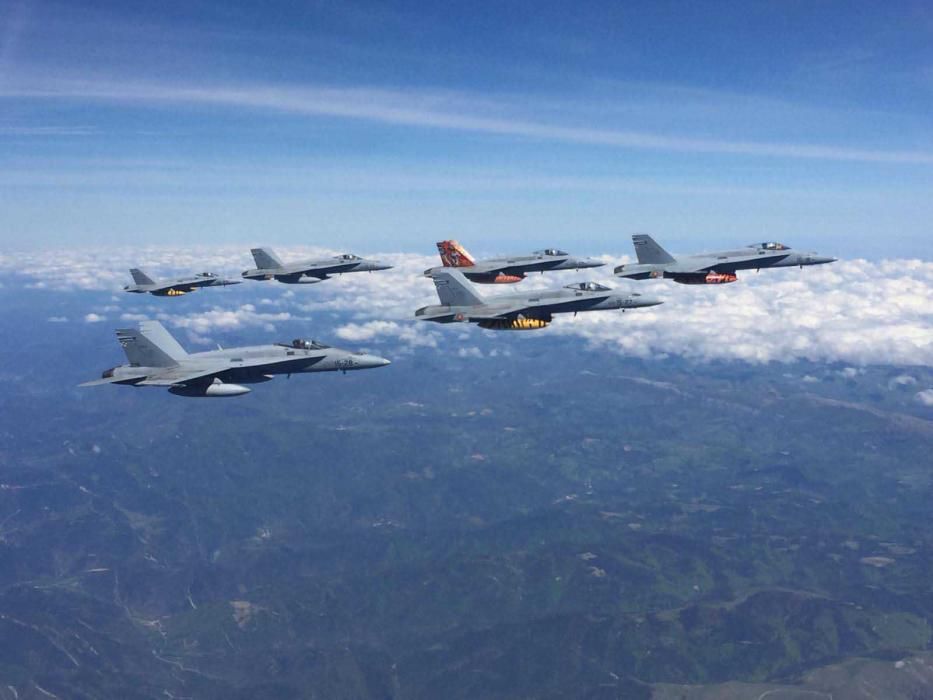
{"points": [[268, 267], [460, 302], [176, 287], [507, 270], [711, 268], [157, 359]]}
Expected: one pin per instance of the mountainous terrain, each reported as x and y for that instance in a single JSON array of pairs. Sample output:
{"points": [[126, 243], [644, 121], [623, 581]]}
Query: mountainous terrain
{"points": [[550, 521]]}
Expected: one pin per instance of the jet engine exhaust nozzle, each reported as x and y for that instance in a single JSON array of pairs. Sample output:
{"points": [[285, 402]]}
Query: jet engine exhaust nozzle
{"points": [[514, 324], [708, 278]]}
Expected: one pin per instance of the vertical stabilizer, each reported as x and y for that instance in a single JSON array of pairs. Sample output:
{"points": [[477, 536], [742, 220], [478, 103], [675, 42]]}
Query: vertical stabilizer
{"points": [[454, 255], [649, 252], [140, 277], [150, 346], [454, 290], [266, 259]]}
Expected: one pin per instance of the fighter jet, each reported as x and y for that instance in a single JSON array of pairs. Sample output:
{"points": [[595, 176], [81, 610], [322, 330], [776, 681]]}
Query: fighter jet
{"points": [[268, 267], [506, 270], [460, 302], [174, 288], [157, 359], [711, 268]]}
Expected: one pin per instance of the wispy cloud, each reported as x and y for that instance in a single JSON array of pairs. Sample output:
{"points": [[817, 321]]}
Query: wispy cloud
{"points": [[452, 111], [18, 130]]}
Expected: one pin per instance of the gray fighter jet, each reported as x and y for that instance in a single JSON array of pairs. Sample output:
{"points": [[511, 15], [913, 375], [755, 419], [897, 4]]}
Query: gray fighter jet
{"points": [[156, 359], [711, 268], [174, 288], [460, 302], [268, 267], [506, 270]]}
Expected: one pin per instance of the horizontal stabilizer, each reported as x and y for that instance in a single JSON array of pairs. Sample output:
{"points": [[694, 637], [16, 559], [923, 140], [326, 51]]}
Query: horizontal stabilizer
{"points": [[112, 380]]}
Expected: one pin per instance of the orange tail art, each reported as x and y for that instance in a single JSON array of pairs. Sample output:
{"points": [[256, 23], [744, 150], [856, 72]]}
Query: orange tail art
{"points": [[453, 254]]}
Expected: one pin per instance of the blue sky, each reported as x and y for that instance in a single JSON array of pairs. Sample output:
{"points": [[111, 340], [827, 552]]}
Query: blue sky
{"points": [[385, 126]]}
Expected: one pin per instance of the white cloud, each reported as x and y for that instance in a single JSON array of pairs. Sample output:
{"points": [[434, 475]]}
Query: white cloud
{"points": [[407, 333], [227, 319], [855, 312], [902, 380], [925, 397], [94, 318], [57, 319]]}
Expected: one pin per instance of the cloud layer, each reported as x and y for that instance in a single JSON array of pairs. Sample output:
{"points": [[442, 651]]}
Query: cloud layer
{"points": [[854, 311]]}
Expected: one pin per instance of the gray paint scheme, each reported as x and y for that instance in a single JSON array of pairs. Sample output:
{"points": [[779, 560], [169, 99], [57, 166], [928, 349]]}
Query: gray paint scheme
{"points": [[269, 266], [157, 359], [486, 271], [654, 262], [176, 287], [460, 302]]}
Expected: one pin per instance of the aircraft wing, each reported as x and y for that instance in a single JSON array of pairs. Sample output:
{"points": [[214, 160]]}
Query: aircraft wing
{"points": [[486, 267], [322, 269], [181, 374], [176, 284], [733, 263], [200, 282], [112, 380], [182, 284], [494, 313]]}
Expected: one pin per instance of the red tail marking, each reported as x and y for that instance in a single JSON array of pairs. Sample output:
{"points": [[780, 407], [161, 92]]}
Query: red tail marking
{"points": [[454, 255]]}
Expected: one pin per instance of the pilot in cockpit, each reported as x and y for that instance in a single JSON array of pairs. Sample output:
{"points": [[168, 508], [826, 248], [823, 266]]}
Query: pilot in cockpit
{"points": [[300, 344], [588, 287]]}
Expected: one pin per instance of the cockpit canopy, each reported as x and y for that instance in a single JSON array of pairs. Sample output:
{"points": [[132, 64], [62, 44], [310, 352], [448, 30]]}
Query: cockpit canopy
{"points": [[301, 344], [349, 256], [588, 287], [550, 251], [771, 245], [206, 274]]}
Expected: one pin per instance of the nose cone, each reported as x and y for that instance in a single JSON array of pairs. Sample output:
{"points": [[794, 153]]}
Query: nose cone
{"points": [[580, 264], [821, 260], [372, 361], [229, 282], [377, 265], [637, 301]]}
